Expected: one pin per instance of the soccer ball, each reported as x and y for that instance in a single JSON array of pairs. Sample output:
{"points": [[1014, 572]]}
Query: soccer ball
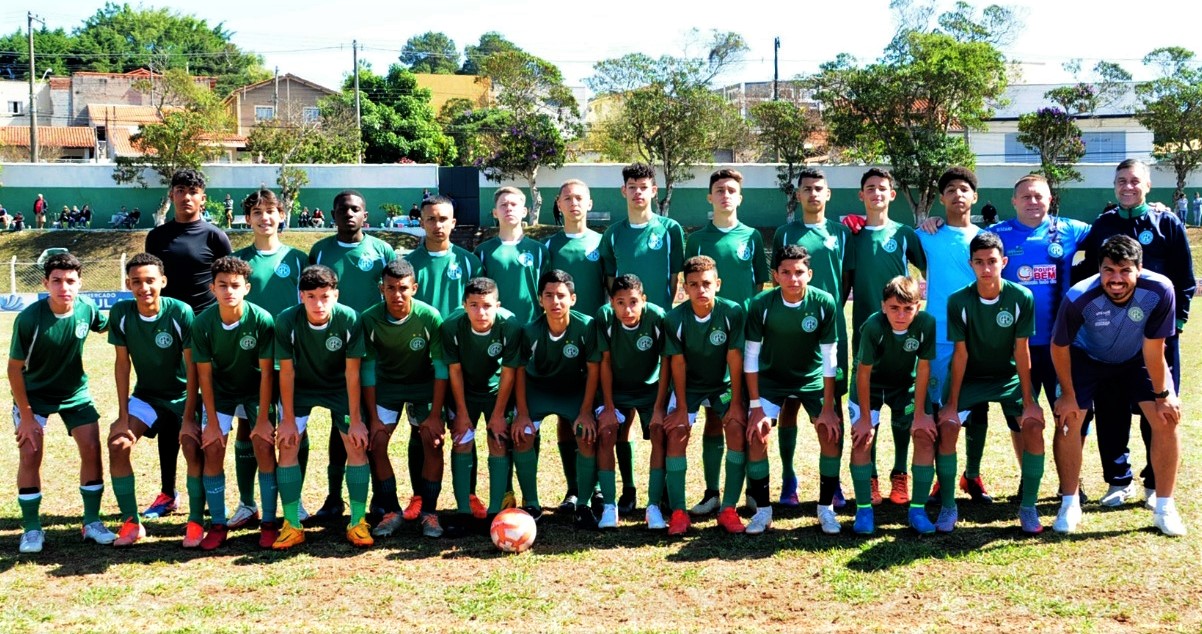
{"points": [[513, 531]]}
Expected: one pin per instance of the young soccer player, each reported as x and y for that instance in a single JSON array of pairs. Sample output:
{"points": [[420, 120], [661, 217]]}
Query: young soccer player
{"points": [[232, 346], [790, 354], [405, 347], [49, 378], [559, 378], [153, 335], [512, 259], [482, 347], [319, 346], [704, 356], [575, 249], [990, 322], [442, 269], [644, 243], [893, 367], [630, 335]]}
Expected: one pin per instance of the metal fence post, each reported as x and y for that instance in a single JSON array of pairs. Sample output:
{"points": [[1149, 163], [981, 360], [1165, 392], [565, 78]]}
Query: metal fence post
{"points": [[122, 272], [12, 275]]}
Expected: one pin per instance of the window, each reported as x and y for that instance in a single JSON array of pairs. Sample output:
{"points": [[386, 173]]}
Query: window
{"points": [[264, 113], [310, 114], [16, 107]]}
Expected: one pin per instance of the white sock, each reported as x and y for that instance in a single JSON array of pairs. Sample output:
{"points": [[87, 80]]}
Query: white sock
{"points": [[1070, 500], [1164, 504]]}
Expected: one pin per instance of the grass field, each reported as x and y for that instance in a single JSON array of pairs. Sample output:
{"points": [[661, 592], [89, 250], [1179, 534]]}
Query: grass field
{"points": [[1117, 574]]}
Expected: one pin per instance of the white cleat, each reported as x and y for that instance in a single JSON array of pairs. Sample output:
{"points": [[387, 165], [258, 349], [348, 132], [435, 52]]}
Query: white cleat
{"points": [[827, 520], [609, 517], [655, 518], [31, 541], [97, 532], [760, 522], [1068, 518]]}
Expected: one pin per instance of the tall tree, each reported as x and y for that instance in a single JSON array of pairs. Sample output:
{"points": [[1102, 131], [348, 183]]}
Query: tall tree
{"points": [[398, 121], [1171, 107], [667, 110], [52, 52], [431, 52], [490, 44], [791, 132]]}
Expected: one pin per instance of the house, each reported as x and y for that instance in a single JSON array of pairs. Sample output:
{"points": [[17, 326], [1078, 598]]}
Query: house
{"points": [[71, 97], [283, 96], [444, 88], [64, 143], [15, 97]]}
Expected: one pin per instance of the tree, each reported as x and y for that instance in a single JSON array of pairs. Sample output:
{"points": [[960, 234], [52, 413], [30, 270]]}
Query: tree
{"points": [[490, 44], [52, 51], [398, 122], [431, 52], [667, 110], [191, 116], [788, 130], [1171, 107], [466, 125]]}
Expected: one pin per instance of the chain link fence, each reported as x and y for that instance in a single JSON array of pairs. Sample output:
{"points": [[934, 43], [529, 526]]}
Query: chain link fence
{"points": [[25, 276]]}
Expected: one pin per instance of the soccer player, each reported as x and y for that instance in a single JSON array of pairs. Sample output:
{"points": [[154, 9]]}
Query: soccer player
{"points": [[357, 260], [575, 249], [644, 243], [893, 367], [187, 245], [512, 259], [442, 269], [405, 347], [630, 335], [990, 322], [790, 354], [49, 378], [559, 378], [153, 335], [232, 346], [704, 359], [482, 348], [319, 346]]}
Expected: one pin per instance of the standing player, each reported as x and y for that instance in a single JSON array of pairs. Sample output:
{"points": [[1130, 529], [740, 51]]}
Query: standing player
{"points": [[1111, 331], [232, 346], [187, 246], [442, 269], [153, 335], [990, 322], [319, 346], [48, 378], [644, 243], [790, 354], [357, 260]]}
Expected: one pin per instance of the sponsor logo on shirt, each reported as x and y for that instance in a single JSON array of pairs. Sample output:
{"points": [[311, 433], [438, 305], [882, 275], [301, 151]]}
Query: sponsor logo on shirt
{"points": [[571, 351], [890, 245], [283, 270], [1005, 319], [367, 262], [1145, 237], [644, 343], [1135, 314], [526, 258], [454, 271], [655, 242], [494, 348], [333, 344], [1038, 274], [417, 343], [81, 329], [717, 338], [910, 345], [248, 342], [163, 340], [592, 256], [809, 324]]}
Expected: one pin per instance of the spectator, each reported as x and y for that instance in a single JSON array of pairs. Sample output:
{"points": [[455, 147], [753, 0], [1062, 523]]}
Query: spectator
{"points": [[415, 215], [18, 221], [74, 217], [425, 195], [319, 218], [989, 214], [229, 212], [64, 217], [1182, 207], [134, 217], [1196, 210], [39, 211], [305, 219], [85, 217], [5, 219]]}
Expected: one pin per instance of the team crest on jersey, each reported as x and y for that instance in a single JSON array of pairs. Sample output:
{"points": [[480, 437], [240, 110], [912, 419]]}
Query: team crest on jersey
{"points": [[1145, 237], [417, 343], [830, 242], [283, 270], [163, 340], [1135, 314], [494, 348], [910, 345], [593, 256], [333, 344], [248, 342], [367, 262], [1005, 319], [890, 245], [809, 324], [571, 351], [526, 258], [1055, 250], [81, 330], [454, 271], [717, 337], [744, 252], [655, 242], [644, 343]]}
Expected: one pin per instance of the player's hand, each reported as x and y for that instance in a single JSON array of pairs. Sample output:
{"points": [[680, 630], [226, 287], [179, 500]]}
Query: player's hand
{"points": [[376, 430], [586, 428], [827, 424], [855, 222], [119, 434], [433, 430], [948, 414], [1066, 410], [658, 417], [676, 418], [263, 432], [498, 427], [759, 427], [862, 432], [287, 435], [520, 423], [608, 418], [736, 414], [357, 434], [189, 429], [459, 427], [924, 425], [1169, 408], [212, 434], [1032, 414], [931, 224]]}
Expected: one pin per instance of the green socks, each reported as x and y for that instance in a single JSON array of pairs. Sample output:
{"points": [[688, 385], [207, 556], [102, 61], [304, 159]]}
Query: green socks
{"points": [[1032, 474], [289, 481], [498, 481], [609, 485], [30, 518], [586, 476], [711, 459], [676, 467], [861, 481], [526, 465], [461, 480], [788, 447], [245, 467], [127, 501], [91, 494], [924, 475], [196, 500], [567, 456], [214, 487], [945, 469], [736, 470], [270, 493], [655, 486], [357, 478], [625, 452]]}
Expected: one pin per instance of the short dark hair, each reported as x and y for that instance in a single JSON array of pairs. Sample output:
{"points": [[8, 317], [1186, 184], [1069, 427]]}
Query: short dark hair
{"points": [[812, 173], [1132, 163], [627, 282], [347, 193], [985, 241], [438, 200], [556, 276], [724, 173], [317, 276], [144, 259], [230, 265], [1121, 248], [187, 177], [480, 286], [790, 252], [397, 269], [958, 174], [878, 172], [699, 264], [903, 289], [635, 171], [263, 195], [61, 262]]}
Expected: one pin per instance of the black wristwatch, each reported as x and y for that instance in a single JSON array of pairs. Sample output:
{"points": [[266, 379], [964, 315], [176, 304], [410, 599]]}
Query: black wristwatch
{"points": [[1164, 394]]}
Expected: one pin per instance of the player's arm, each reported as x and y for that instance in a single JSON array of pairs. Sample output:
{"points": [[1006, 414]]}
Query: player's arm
{"points": [[522, 419], [861, 428], [605, 374], [212, 432], [923, 422], [287, 435], [734, 362], [357, 430], [27, 425], [757, 422], [262, 428], [680, 415], [121, 372], [827, 418], [951, 411], [496, 421], [1162, 380], [662, 389], [1022, 361], [586, 423], [455, 379]]}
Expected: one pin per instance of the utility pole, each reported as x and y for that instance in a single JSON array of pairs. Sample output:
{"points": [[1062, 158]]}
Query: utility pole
{"points": [[33, 98], [358, 114], [275, 96], [776, 70]]}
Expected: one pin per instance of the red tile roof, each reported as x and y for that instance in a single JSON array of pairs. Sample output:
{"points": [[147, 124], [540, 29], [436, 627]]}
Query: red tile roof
{"points": [[49, 136], [123, 115]]}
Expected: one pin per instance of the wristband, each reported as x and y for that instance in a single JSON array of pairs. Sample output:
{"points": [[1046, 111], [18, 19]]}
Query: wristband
{"points": [[755, 402]]}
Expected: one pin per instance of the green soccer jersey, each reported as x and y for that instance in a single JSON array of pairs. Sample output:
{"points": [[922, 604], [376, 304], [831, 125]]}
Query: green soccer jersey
{"points": [[442, 276], [156, 346], [559, 363], [407, 353], [634, 352], [653, 251], [877, 255], [274, 276], [358, 265], [705, 342], [52, 348], [989, 328], [319, 353], [234, 350], [580, 257], [827, 244], [515, 267], [894, 355], [790, 357], [739, 253], [481, 355]]}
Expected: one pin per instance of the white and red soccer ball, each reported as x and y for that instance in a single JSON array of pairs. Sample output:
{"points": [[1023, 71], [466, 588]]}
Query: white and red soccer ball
{"points": [[513, 530]]}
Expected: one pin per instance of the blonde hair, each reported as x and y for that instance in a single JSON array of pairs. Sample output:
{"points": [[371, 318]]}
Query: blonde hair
{"points": [[501, 191]]}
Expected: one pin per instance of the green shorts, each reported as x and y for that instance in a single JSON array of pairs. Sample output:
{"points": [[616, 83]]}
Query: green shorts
{"points": [[389, 412], [158, 414], [339, 406], [900, 402], [545, 400], [1005, 392], [773, 401], [228, 410], [629, 404], [74, 415]]}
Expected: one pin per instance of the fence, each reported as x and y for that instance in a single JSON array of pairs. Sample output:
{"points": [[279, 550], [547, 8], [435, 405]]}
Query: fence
{"points": [[103, 282]]}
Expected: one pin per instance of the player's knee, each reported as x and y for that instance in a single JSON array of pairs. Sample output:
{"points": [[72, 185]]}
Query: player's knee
{"points": [[214, 453], [607, 435]]}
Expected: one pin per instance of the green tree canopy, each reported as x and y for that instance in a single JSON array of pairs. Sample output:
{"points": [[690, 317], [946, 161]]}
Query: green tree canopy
{"points": [[788, 131], [490, 44], [398, 121], [1171, 107], [431, 52]]}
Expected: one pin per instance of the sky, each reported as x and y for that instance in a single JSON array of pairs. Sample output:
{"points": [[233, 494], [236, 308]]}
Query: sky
{"points": [[312, 38]]}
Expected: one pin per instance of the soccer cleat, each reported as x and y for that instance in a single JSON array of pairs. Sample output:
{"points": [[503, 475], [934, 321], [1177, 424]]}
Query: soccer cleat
{"points": [[946, 522], [215, 537], [899, 484], [289, 536], [597, 503], [840, 500], [827, 520], [609, 517], [628, 500], [97, 532], [708, 504], [245, 514], [1067, 519], [331, 509], [1028, 519], [975, 489], [31, 541], [268, 533], [585, 520], [479, 511], [1167, 520], [388, 525], [162, 505], [510, 501], [360, 534], [920, 522], [679, 525], [131, 531], [728, 519], [430, 526], [1081, 493], [1118, 493], [760, 522], [1150, 499], [788, 493], [568, 504], [413, 510], [655, 518], [535, 512], [193, 533], [865, 523], [876, 491]]}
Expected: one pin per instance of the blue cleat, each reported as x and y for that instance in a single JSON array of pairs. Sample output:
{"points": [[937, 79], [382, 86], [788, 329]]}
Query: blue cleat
{"points": [[788, 493], [839, 501], [946, 522], [1028, 518], [864, 524], [920, 522]]}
